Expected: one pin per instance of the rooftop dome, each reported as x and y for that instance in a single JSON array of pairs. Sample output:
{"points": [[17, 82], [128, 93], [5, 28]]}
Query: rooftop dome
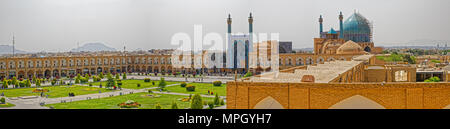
{"points": [[357, 28], [350, 47], [332, 31]]}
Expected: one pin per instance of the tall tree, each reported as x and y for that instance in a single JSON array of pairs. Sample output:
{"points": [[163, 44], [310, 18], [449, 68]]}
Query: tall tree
{"points": [[197, 102]]}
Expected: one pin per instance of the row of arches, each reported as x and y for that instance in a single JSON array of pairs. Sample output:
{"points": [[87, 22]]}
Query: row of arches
{"points": [[299, 61], [354, 102], [41, 73]]}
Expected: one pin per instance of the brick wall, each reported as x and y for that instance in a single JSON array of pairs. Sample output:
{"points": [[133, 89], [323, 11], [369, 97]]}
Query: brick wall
{"points": [[245, 95]]}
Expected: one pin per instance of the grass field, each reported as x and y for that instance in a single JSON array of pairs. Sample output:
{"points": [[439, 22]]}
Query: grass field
{"points": [[200, 88], [132, 84], [146, 102], [54, 91], [7, 105]]}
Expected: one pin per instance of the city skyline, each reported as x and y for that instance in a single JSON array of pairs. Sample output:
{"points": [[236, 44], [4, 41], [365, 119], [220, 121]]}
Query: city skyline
{"points": [[60, 25]]}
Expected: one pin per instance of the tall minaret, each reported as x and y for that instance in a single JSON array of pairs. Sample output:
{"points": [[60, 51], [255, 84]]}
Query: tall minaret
{"points": [[320, 26], [248, 44], [229, 23], [341, 27], [231, 61]]}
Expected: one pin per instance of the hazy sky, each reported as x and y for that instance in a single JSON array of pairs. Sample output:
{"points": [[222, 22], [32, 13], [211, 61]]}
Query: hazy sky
{"points": [[57, 25]]}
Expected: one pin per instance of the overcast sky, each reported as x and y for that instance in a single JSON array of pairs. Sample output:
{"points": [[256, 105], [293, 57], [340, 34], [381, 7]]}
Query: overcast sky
{"points": [[57, 25]]}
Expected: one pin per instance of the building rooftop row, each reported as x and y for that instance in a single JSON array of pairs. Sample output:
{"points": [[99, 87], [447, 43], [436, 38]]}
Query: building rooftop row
{"points": [[323, 73]]}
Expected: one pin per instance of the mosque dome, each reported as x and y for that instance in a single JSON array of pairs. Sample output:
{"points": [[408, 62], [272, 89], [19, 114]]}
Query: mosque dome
{"points": [[350, 47], [357, 28], [332, 31]]}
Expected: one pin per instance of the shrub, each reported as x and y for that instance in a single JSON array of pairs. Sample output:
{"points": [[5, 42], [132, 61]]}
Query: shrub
{"points": [[162, 83], [222, 102], [146, 79], [190, 88], [110, 82], [433, 79], [138, 85], [119, 82], [90, 84], [248, 74], [124, 76], [38, 82], [117, 77], [84, 79], [174, 105], [71, 94], [150, 91], [77, 80], [28, 83], [22, 84], [14, 81], [210, 105], [196, 102], [217, 83], [101, 76], [2, 100], [183, 84], [158, 106], [5, 83], [216, 100], [53, 82]]}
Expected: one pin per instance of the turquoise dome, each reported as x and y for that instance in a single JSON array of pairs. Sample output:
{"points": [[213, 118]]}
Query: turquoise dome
{"points": [[357, 28], [332, 31]]}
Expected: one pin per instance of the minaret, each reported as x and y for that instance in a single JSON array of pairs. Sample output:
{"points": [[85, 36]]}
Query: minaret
{"points": [[231, 61], [320, 26], [229, 23], [341, 27], [250, 23], [247, 44]]}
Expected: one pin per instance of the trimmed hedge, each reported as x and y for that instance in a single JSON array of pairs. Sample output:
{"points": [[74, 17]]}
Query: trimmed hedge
{"points": [[190, 88], [183, 84], [217, 83]]}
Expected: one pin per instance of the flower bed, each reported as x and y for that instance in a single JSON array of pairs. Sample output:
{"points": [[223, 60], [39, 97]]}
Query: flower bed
{"points": [[129, 104], [37, 90]]}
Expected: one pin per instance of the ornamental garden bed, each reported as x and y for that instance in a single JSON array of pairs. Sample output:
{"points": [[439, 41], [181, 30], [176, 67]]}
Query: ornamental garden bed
{"points": [[200, 88]]}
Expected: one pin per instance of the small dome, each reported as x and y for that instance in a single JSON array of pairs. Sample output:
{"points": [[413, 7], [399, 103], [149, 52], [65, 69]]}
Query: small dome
{"points": [[332, 31], [350, 47]]}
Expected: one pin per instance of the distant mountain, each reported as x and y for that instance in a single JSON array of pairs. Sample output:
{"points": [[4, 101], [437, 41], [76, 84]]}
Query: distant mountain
{"points": [[6, 49], [93, 47]]}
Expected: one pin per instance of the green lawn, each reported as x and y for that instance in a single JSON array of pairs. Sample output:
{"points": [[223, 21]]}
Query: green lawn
{"points": [[132, 83], [7, 105], [54, 91], [111, 102], [200, 88]]}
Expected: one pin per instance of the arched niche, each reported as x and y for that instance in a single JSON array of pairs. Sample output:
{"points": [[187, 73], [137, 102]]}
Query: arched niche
{"points": [[357, 102], [268, 103]]}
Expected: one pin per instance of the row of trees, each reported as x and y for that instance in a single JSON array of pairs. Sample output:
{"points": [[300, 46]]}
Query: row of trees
{"points": [[98, 78], [21, 83]]}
